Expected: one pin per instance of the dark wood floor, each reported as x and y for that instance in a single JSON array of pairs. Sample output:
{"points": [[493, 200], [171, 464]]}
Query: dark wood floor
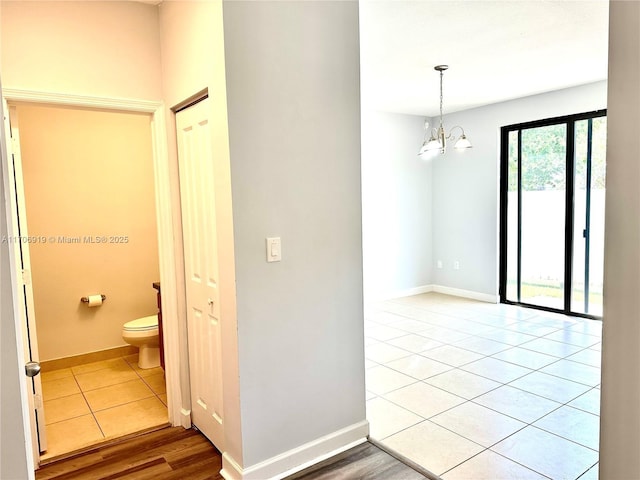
{"points": [[179, 454], [167, 454]]}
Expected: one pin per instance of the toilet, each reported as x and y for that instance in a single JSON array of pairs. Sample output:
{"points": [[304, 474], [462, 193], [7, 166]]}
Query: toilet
{"points": [[143, 333]]}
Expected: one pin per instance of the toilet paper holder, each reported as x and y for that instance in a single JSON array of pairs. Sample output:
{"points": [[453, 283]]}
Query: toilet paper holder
{"points": [[86, 299]]}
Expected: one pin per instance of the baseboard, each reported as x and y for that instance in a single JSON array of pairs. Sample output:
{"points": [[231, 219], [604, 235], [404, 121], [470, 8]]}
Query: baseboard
{"points": [[299, 458], [458, 292], [401, 293], [184, 419], [83, 358]]}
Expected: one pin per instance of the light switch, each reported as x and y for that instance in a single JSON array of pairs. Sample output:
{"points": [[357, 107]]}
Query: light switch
{"points": [[274, 249]]}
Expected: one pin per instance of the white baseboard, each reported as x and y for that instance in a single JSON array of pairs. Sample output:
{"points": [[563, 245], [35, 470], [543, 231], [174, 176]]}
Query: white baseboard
{"points": [[298, 458], [458, 292], [184, 419], [400, 293]]}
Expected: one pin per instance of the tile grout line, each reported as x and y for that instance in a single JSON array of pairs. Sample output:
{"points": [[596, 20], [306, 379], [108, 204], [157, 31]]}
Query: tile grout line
{"points": [[588, 470], [581, 348], [83, 392], [95, 419]]}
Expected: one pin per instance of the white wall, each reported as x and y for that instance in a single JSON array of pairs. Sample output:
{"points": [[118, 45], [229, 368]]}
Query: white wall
{"points": [[396, 205], [294, 123], [620, 406], [466, 190]]}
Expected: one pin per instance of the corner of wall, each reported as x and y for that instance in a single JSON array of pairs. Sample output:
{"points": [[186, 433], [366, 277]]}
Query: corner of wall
{"points": [[299, 458]]}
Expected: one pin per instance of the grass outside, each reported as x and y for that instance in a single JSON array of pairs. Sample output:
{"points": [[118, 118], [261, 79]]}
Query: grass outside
{"points": [[531, 290]]}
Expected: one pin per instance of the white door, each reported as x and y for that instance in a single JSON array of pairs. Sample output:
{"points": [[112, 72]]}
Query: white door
{"points": [[20, 248], [201, 268]]}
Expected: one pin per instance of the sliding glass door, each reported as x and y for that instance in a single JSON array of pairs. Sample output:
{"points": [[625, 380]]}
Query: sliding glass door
{"points": [[588, 238], [552, 213]]}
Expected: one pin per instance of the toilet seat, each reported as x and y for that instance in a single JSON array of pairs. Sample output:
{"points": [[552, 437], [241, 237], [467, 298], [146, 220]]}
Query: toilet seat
{"points": [[143, 324]]}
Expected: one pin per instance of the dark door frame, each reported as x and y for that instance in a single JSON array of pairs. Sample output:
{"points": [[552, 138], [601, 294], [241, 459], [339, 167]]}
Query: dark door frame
{"points": [[569, 120]]}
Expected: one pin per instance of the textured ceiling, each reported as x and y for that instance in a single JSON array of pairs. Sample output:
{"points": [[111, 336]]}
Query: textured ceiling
{"points": [[496, 50]]}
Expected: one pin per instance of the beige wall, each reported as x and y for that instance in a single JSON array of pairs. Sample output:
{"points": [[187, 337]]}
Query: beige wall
{"points": [[620, 402], [84, 48], [88, 173], [192, 52]]}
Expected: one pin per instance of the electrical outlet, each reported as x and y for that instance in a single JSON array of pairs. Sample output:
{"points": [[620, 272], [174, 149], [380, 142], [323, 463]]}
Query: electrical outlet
{"points": [[456, 265], [439, 264]]}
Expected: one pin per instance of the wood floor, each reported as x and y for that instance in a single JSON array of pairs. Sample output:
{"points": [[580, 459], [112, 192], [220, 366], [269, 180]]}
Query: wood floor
{"points": [[167, 454], [364, 462], [179, 454]]}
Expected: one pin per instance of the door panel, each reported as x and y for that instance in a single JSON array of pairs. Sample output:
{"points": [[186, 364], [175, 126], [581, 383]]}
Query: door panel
{"points": [[201, 268], [543, 191], [512, 232], [588, 239], [25, 305]]}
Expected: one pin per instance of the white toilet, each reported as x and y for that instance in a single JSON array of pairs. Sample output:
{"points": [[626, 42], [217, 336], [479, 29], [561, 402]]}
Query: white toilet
{"points": [[143, 333]]}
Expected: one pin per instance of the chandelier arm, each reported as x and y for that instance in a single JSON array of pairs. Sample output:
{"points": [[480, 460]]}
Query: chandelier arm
{"points": [[439, 137], [453, 128]]}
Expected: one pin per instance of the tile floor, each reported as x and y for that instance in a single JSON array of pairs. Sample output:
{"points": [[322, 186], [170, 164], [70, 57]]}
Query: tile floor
{"points": [[87, 404], [471, 390]]}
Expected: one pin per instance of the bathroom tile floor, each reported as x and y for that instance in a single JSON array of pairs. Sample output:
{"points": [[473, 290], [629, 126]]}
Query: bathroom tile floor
{"points": [[88, 404], [471, 390]]}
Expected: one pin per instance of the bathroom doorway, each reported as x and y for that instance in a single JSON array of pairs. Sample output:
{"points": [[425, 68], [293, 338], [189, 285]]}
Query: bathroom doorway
{"points": [[89, 209]]}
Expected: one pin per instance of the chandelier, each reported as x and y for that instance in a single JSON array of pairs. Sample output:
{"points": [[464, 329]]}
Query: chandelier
{"points": [[439, 138]]}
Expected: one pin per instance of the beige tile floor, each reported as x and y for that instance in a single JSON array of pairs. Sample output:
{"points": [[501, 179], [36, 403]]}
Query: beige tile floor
{"points": [[471, 390], [87, 404]]}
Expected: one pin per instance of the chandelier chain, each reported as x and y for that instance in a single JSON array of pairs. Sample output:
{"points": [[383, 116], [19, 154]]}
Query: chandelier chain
{"points": [[441, 75]]}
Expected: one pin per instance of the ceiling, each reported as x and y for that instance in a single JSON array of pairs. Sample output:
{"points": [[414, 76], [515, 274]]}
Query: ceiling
{"points": [[496, 50]]}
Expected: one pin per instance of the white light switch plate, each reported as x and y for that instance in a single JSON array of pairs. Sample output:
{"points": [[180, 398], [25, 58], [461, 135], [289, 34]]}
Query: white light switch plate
{"points": [[274, 249]]}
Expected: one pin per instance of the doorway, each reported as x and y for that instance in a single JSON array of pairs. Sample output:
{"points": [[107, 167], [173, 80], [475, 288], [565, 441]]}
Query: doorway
{"points": [[82, 171], [167, 202], [552, 189], [174, 343]]}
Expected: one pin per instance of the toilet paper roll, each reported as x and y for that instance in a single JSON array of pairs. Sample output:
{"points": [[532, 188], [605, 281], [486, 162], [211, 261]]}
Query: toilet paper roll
{"points": [[95, 300]]}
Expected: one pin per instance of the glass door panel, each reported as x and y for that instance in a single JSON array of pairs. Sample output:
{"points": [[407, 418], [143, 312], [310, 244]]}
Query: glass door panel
{"points": [[589, 198], [543, 199], [512, 290]]}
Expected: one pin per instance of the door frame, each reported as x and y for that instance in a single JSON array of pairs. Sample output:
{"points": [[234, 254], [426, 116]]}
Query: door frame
{"points": [[569, 201], [175, 344]]}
